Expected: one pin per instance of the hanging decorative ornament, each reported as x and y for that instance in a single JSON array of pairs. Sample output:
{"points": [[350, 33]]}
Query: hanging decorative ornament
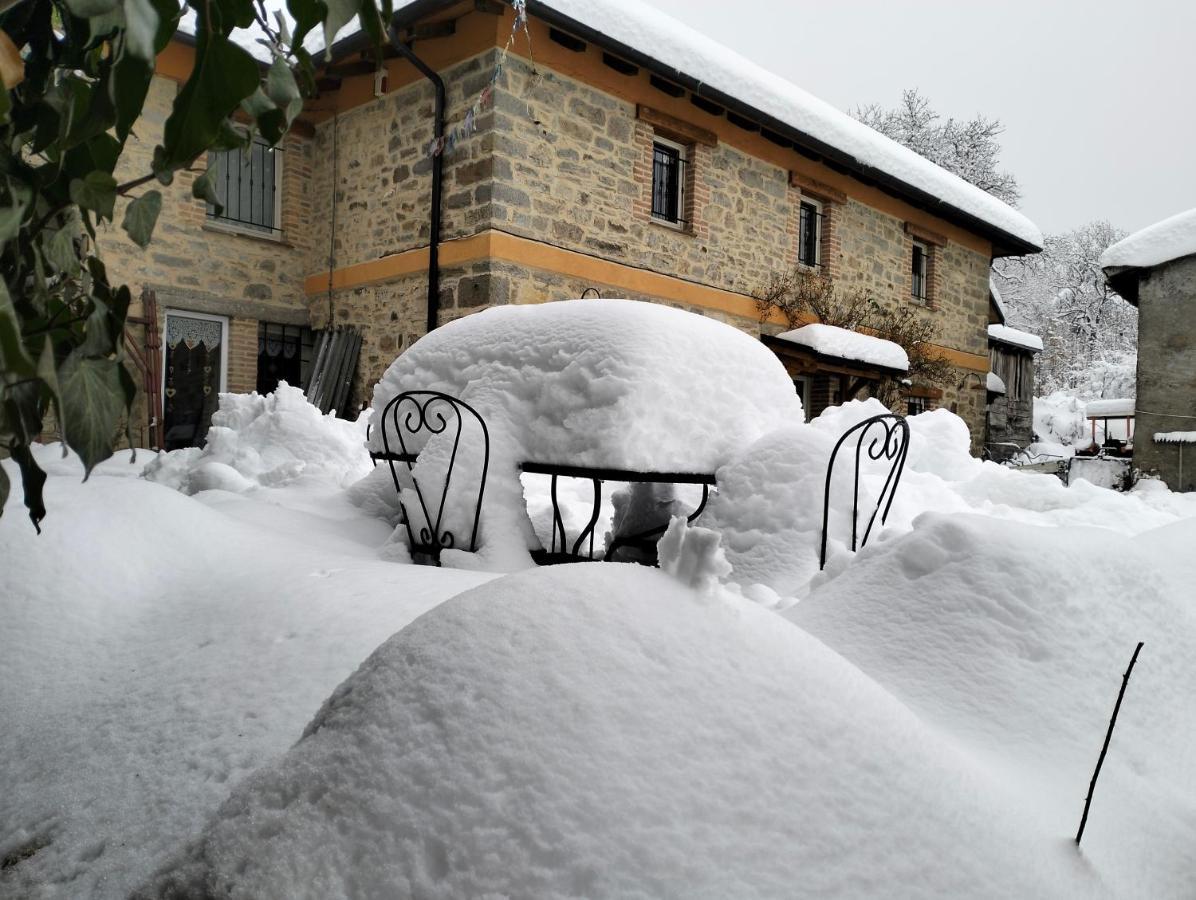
{"points": [[446, 143]]}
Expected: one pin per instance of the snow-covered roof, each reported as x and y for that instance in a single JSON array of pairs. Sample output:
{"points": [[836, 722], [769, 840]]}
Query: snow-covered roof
{"points": [[997, 301], [841, 343], [690, 55], [1003, 334], [1099, 409], [995, 383], [1175, 437], [1154, 245]]}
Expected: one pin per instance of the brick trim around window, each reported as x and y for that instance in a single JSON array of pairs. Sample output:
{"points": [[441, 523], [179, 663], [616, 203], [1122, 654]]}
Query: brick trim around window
{"points": [[698, 155], [830, 247]]}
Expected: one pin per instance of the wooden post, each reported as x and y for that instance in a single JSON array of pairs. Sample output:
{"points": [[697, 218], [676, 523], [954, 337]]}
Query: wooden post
{"points": [[1105, 748]]}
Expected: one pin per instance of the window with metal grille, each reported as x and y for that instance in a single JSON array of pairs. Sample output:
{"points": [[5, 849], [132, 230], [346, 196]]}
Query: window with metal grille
{"points": [[921, 254], [809, 233], [668, 182], [916, 405], [246, 181]]}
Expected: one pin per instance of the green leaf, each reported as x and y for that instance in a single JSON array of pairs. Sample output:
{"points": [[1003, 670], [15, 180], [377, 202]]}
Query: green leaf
{"points": [[14, 359], [340, 14], [128, 87], [97, 192], [12, 212], [282, 89], [85, 9], [141, 216], [223, 76], [203, 189], [141, 28], [93, 401], [60, 250], [306, 14], [5, 487], [33, 480]]}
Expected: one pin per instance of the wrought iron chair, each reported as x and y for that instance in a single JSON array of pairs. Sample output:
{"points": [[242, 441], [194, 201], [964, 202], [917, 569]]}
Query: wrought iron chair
{"points": [[406, 417], [891, 442]]}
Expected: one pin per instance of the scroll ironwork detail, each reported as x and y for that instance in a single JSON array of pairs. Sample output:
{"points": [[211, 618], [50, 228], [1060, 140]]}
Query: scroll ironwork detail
{"points": [[889, 441], [405, 418]]}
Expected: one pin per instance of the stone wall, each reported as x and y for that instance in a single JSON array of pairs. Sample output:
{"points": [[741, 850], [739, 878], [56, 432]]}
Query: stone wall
{"points": [[1166, 372]]}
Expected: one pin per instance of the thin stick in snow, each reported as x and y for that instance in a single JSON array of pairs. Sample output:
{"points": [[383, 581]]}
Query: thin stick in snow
{"points": [[1125, 679]]}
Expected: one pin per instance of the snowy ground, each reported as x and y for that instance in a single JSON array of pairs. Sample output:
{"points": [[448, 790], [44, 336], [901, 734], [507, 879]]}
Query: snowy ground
{"points": [[922, 722]]}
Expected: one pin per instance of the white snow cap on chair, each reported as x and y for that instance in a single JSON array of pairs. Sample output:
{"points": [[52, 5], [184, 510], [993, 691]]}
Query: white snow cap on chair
{"points": [[616, 384], [842, 343]]}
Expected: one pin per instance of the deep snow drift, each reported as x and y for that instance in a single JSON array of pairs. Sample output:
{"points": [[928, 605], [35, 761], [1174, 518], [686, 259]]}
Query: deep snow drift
{"points": [[602, 731]]}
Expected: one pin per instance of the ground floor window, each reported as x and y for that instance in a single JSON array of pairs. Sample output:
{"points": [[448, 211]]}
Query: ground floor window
{"points": [[916, 405], [283, 354], [195, 370]]}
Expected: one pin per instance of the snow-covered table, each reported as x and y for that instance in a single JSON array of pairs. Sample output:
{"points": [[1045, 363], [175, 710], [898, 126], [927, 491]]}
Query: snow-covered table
{"points": [[560, 550]]}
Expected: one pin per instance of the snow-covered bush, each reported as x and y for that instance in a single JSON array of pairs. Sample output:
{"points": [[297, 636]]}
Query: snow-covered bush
{"points": [[266, 441]]}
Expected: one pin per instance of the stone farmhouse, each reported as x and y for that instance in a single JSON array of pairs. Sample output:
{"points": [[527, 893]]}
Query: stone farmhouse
{"points": [[607, 147], [1155, 269]]}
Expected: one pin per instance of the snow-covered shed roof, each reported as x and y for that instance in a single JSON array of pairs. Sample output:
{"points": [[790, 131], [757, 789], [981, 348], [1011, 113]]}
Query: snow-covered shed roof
{"points": [[1003, 334], [1115, 408], [1154, 245], [1160, 243], [995, 383], [660, 43], [1175, 437], [842, 343]]}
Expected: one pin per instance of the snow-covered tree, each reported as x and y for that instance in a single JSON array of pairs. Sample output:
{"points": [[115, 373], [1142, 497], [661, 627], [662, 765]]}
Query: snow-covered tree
{"points": [[1089, 333], [970, 149]]}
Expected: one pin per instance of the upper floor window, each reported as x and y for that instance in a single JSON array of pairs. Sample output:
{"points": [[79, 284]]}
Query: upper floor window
{"points": [[921, 269], [809, 233], [668, 181], [247, 183]]}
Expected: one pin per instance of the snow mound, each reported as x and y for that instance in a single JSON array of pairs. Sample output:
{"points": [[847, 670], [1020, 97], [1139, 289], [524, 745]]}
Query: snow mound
{"points": [[843, 343], [614, 383], [603, 731], [1014, 639], [1154, 245], [266, 441], [1059, 419]]}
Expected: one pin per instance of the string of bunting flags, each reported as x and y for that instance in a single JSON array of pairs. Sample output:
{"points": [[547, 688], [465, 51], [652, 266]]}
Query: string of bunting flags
{"points": [[448, 141]]}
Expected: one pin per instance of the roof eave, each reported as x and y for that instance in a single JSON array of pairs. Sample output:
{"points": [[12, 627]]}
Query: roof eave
{"points": [[1124, 280], [1004, 243]]}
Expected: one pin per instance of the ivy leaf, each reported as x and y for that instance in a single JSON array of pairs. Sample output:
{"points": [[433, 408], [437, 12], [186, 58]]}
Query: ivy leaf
{"points": [[93, 401], [141, 28], [203, 189], [223, 76], [282, 89], [60, 250], [13, 211], [85, 9], [306, 14], [140, 217], [340, 14], [33, 480], [13, 357], [96, 191], [5, 487], [128, 87]]}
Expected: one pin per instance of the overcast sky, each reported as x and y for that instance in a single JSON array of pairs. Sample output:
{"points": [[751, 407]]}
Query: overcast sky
{"points": [[1098, 98]]}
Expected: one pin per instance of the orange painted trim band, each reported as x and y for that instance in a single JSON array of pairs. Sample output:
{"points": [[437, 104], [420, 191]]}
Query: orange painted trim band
{"points": [[499, 245]]}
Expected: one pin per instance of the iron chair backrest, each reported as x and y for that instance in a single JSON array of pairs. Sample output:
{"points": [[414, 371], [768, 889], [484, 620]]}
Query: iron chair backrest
{"points": [[412, 413], [891, 442]]}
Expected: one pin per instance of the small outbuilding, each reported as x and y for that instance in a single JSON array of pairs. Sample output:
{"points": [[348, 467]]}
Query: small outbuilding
{"points": [[1010, 383], [1155, 269]]}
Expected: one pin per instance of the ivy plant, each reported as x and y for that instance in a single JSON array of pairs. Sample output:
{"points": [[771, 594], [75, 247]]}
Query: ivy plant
{"points": [[76, 74]]}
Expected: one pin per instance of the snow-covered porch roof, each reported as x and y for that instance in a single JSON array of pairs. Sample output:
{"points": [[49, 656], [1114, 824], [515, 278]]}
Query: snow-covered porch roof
{"points": [[1023, 340], [829, 348], [1116, 408]]}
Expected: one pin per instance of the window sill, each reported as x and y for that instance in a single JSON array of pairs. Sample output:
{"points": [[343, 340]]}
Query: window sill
{"points": [[270, 237], [677, 227]]}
